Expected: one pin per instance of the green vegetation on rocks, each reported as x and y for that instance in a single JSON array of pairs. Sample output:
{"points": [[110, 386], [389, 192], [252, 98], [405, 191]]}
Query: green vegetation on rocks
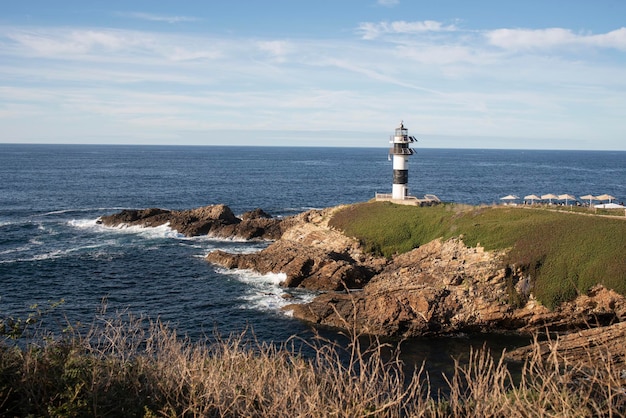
{"points": [[564, 253]]}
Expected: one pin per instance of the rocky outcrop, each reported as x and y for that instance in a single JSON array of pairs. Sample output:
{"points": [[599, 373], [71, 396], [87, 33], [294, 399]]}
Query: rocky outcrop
{"points": [[599, 307], [441, 287], [311, 256], [215, 220], [446, 287], [592, 346]]}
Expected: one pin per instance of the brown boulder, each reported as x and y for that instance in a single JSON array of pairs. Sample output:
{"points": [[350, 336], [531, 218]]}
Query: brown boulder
{"points": [[257, 213], [141, 217]]}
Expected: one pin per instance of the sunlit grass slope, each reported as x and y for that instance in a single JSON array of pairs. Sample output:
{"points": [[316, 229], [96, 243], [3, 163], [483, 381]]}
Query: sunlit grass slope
{"points": [[565, 253]]}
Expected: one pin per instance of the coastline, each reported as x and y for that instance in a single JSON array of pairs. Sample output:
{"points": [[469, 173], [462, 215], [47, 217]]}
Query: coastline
{"points": [[440, 288]]}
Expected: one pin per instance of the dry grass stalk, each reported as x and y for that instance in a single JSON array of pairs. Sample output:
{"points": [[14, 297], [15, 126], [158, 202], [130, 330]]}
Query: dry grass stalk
{"points": [[131, 367]]}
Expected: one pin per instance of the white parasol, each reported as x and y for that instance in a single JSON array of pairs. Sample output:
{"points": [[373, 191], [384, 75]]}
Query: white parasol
{"points": [[605, 197], [566, 197], [549, 197], [509, 198], [589, 198], [532, 198]]}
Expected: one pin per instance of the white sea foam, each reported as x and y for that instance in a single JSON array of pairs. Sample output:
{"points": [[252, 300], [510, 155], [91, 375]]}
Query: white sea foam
{"points": [[54, 254], [79, 210], [83, 223], [15, 250], [37, 257], [209, 247], [264, 291], [161, 231]]}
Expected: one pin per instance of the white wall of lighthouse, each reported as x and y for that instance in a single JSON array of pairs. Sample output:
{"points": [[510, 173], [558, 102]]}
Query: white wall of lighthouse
{"points": [[400, 190]]}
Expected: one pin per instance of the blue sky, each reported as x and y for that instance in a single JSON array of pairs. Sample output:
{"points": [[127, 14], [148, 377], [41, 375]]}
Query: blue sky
{"points": [[530, 74]]}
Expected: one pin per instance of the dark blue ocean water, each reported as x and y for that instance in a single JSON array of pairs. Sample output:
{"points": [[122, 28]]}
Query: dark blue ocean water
{"points": [[51, 196]]}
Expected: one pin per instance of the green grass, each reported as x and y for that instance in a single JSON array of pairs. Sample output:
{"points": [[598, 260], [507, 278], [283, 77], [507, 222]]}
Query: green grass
{"points": [[565, 253]]}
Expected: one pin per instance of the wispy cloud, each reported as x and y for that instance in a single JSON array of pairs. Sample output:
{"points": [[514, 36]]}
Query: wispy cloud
{"points": [[529, 39], [276, 49], [105, 44], [388, 3], [369, 30], [158, 18]]}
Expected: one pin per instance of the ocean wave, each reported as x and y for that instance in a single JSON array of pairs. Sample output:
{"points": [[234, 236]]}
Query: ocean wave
{"points": [[15, 250], [265, 293], [244, 249], [53, 254], [150, 232], [77, 210]]}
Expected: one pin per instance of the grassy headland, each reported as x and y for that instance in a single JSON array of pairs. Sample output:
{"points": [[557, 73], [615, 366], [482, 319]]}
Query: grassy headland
{"points": [[564, 253]]}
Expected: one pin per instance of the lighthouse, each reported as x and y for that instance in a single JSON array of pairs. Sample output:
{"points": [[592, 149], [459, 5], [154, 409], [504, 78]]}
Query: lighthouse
{"points": [[401, 151]]}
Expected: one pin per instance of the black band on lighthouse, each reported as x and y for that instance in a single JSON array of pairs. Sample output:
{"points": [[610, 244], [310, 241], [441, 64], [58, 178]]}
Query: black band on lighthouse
{"points": [[400, 148], [400, 176]]}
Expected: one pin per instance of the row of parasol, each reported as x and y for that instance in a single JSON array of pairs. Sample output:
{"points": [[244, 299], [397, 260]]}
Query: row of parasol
{"points": [[566, 197]]}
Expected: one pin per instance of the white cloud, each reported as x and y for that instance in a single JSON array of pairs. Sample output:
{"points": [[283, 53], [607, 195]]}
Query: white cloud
{"points": [[614, 39], [158, 18], [106, 45], [371, 30], [276, 49], [67, 42], [527, 39]]}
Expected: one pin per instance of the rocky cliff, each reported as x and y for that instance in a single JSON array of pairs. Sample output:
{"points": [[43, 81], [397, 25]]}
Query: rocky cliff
{"points": [[440, 287]]}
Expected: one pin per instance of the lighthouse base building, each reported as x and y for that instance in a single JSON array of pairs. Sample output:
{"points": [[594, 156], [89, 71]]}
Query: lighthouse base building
{"points": [[399, 153]]}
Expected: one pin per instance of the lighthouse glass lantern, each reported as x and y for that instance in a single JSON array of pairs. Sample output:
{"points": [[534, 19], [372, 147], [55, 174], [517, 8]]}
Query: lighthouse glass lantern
{"points": [[400, 152]]}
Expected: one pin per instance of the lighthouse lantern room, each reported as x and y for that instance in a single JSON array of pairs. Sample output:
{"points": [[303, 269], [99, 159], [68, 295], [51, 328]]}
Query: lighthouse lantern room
{"points": [[400, 152]]}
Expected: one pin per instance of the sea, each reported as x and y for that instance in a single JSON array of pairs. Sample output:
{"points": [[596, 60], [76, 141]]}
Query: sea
{"points": [[52, 249]]}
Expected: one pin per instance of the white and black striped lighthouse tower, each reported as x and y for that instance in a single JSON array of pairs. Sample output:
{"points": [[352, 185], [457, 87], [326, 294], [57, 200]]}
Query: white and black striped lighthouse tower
{"points": [[401, 151]]}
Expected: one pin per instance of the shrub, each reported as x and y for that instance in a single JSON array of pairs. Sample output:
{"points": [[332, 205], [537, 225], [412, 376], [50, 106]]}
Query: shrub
{"points": [[130, 368]]}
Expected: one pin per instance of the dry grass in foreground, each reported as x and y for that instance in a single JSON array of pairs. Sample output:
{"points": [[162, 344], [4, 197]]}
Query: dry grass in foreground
{"points": [[129, 367]]}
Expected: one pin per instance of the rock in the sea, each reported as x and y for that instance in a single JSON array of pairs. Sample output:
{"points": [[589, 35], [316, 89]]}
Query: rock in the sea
{"points": [[257, 213], [215, 220]]}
